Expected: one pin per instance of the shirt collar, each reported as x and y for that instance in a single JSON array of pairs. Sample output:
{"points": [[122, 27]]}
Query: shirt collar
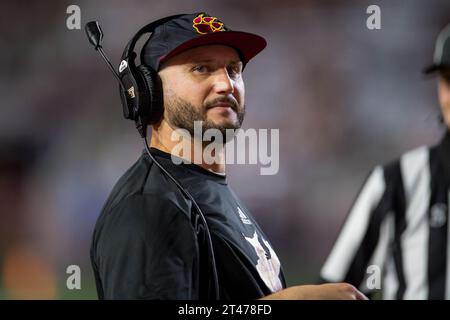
{"points": [[188, 166]]}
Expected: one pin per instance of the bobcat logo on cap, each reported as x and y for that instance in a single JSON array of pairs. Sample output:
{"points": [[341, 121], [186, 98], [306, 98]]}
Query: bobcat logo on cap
{"points": [[205, 25]]}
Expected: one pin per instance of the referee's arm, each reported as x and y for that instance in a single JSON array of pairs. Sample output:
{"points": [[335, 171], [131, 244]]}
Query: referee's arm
{"points": [[363, 239]]}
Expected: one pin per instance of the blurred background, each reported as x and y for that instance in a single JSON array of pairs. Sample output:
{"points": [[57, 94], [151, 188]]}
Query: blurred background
{"points": [[344, 98]]}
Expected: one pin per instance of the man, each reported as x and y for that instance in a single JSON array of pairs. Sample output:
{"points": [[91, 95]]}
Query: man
{"points": [[398, 227], [145, 245]]}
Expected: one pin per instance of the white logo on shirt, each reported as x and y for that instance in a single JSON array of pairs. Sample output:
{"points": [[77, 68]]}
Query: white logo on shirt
{"points": [[244, 218], [268, 269]]}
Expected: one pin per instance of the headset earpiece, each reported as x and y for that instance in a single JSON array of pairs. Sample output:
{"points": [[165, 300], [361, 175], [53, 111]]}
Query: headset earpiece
{"points": [[153, 93], [141, 94], [129, 93]]}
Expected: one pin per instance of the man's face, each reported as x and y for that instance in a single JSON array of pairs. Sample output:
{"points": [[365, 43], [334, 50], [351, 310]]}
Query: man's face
{"points": [[204, 84], [444, 95]]}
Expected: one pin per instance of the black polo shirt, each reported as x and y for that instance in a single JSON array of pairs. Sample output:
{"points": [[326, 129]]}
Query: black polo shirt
{"points": [[145, 245]]}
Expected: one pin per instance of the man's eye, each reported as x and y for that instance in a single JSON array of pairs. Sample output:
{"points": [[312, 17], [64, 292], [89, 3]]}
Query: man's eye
{"points": [[200, 69]]}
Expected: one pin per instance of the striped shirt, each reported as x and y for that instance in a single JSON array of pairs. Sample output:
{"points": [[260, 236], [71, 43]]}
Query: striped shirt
{"points": [[397, 229]]}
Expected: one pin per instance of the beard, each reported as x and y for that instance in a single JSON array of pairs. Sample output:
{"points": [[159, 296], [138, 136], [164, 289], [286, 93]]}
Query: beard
{"points": [[182, 114]]}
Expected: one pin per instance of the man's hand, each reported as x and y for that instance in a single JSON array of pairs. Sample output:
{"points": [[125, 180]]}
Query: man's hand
{"points": [[329, 291]]}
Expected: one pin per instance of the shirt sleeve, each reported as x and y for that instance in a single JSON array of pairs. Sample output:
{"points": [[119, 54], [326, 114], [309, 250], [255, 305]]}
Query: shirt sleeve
{"points": [[362, 245], [145, 248]]}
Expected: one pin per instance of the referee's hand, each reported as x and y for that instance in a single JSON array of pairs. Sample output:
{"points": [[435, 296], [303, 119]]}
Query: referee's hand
{"points": [[328, 291]]}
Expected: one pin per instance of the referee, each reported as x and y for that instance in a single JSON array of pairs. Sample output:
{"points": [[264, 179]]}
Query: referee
{"points": [[398, 224]]}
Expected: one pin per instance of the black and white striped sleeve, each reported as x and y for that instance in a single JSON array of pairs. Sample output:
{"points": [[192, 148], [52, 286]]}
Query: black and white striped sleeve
{"points": [[365, 236]]}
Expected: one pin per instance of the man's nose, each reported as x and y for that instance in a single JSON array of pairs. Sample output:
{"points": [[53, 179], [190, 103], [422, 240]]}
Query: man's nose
{"points": [[223, 84]]}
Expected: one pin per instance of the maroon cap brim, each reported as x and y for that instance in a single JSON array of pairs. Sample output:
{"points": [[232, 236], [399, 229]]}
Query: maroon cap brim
{"points": [[247, 44]]}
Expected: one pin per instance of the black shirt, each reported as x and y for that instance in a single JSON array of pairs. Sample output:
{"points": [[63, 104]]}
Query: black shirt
{"points": [[145, 245]]}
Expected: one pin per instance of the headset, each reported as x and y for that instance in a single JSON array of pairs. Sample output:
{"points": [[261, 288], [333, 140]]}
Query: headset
{"points": [[141, 94]]}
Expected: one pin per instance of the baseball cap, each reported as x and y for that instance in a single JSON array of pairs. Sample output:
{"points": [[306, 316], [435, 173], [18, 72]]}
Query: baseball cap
{"points": [[193, 30], [441, 57]]}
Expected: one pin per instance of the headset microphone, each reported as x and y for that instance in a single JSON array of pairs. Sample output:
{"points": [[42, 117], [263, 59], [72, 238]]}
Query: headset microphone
{"points": [[95, 36]]}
